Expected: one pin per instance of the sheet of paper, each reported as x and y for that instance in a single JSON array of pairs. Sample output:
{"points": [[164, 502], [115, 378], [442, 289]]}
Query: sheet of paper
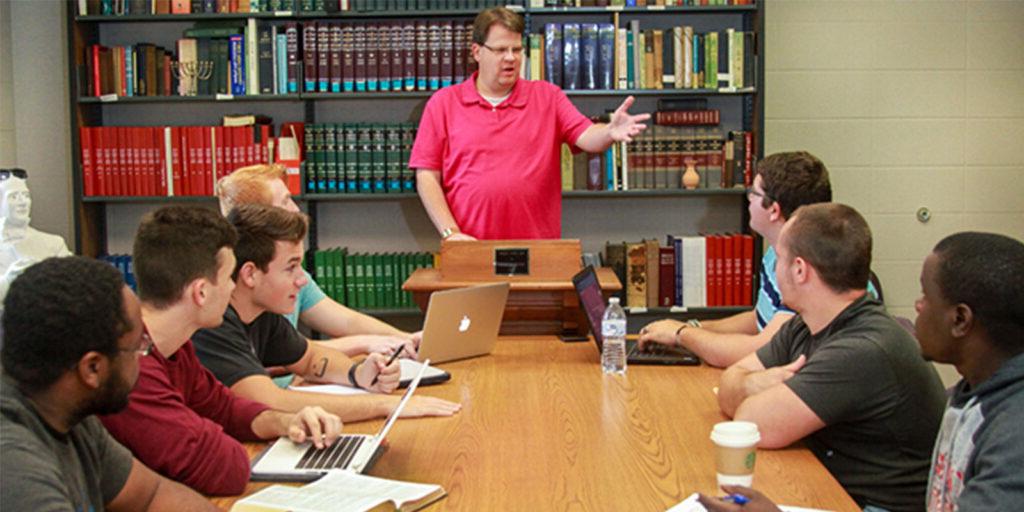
{"points": [[339, 491], [410, 368], [691, 504]]}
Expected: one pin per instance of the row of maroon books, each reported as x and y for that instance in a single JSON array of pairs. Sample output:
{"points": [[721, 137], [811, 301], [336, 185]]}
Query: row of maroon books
{"points": [[166, 160], [410, 55]]}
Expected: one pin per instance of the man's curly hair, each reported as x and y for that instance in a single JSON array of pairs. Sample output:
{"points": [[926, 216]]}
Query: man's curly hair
{"points": [[55, 312]]}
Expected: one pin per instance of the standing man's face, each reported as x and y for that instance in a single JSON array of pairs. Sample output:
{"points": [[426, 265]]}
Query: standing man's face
{"points": [[500, 57]]}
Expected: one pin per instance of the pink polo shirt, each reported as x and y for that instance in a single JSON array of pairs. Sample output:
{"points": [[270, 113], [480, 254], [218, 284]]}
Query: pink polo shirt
{"points": [[500, 166]]}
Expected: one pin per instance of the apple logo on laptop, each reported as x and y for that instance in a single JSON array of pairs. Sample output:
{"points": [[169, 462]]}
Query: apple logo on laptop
{"points": [[464, 324]]}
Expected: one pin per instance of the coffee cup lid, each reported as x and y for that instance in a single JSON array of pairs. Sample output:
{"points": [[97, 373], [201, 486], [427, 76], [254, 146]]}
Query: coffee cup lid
{"points": [[735, 434]]}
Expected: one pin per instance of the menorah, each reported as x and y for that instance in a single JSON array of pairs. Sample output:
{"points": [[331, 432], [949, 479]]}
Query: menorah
{"points": [[189, 73]]}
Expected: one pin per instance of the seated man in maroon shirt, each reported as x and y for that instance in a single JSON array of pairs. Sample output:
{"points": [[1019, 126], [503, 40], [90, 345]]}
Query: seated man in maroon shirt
{"points": [[180, 420]]}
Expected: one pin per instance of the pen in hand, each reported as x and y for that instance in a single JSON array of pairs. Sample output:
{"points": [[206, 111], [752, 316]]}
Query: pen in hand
{"points": [[393, 357], [738, 499]]}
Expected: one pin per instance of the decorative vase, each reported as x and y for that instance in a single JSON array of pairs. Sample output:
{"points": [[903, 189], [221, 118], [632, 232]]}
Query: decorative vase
{"points": [[691, 178]]}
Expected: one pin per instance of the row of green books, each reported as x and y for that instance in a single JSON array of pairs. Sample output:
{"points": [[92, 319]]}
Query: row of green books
{"points": [[368, 280], [359, 158]]}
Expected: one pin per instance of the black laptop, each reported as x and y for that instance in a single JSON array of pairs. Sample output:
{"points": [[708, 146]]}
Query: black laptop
{"points": [[592, 302]]}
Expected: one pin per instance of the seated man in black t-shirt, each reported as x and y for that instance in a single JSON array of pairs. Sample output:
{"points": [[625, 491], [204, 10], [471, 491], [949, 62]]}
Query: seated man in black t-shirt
{"points": [[254, 335], [842, 374]]}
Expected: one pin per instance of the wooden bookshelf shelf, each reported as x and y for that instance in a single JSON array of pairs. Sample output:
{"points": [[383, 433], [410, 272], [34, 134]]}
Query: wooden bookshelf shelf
{"points": [[660, 92], [149, 199], [654, 9], [666, 192], [426, 13], [702, 312], [366, 95], [393, 95], [389, 196], [126, 18], [189, 99]]}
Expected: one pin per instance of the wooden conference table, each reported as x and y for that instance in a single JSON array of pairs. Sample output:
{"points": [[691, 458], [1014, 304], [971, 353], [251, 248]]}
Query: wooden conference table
{"points": [[541, 428]]}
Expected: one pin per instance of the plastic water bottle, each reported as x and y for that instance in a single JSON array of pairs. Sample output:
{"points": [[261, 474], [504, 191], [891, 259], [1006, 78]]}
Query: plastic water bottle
{"points": [[613, 331]]}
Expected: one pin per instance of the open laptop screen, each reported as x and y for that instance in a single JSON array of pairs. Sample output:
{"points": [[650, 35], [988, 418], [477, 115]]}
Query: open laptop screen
{"points": [[588, 289]]}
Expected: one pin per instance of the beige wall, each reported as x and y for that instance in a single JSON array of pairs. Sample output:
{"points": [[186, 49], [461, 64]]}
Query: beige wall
{"points": [[8, 156], [33, 74], [910, 104]]}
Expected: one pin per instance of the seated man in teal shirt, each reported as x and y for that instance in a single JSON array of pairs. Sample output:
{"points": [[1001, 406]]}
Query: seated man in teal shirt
{"points": [[352, 332]]}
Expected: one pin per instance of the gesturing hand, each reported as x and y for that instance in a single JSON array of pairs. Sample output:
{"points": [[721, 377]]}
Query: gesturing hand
{"points": [[623, 126]]}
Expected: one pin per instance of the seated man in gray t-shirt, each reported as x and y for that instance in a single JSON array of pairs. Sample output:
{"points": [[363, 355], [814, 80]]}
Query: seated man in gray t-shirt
{"points": [[842, 374], [73, 336]]}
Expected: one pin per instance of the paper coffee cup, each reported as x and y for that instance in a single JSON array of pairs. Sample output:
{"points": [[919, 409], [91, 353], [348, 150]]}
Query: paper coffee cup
{"points": [[736, 451]]}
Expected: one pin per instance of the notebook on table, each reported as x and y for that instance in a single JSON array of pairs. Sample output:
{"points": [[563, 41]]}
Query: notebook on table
{"points": [[287, 461], [588, 289]]}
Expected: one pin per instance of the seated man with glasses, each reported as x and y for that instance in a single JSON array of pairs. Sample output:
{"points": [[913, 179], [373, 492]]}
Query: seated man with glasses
{"points": [[73, 341], [20, 245], [783, 183], [488, 151]]}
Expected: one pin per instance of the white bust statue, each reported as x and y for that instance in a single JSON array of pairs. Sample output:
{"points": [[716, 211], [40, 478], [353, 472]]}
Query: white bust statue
{"points": [[20, 244]]}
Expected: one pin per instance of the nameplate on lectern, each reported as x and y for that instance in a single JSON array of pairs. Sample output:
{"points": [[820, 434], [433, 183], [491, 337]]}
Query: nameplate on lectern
{"points": [[513, 260]]}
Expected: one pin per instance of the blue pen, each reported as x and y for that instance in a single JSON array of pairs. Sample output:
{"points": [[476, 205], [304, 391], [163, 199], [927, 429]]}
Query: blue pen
{"points": [[738, 499]]}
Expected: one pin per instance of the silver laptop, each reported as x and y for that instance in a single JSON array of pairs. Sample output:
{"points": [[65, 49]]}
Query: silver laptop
{"points": [[287, 461], [463, 322]]}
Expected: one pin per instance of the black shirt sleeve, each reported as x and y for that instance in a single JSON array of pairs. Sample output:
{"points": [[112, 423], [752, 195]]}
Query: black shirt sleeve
{"points": [[777, 351], [276, 340], [845, 381]]}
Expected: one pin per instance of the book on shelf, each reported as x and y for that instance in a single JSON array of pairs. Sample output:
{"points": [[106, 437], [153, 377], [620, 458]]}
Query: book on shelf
{"points": [[671, 58], [153, 161], [342, 491], [367, 280], [358, 158], [144, 7], [657, 157], [691, 271], [123, 263]]}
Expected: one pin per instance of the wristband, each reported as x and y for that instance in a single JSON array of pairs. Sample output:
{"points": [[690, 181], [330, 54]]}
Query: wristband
{"points": [[448, 232], [693, 322], [352, 375]]}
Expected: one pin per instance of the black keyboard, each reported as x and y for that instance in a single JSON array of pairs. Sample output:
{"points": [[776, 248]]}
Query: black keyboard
{"points": [[336, 456], [650, 350]]}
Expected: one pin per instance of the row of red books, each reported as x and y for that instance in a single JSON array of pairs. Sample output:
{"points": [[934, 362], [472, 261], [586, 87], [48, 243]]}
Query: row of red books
{"points": [[166, 160]]}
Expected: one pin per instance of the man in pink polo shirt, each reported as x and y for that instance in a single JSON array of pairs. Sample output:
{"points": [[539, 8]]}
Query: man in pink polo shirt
{"points": [[487, 154]]}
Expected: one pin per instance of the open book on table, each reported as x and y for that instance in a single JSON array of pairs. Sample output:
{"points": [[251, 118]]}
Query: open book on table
{"points": [[342, 491]]}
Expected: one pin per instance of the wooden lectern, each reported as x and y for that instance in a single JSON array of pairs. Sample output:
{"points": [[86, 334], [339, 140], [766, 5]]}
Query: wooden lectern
{"points": [[541, 298]]}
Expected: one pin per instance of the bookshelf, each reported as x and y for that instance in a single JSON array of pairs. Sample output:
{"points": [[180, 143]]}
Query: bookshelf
{"points": [[104, 224]]}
